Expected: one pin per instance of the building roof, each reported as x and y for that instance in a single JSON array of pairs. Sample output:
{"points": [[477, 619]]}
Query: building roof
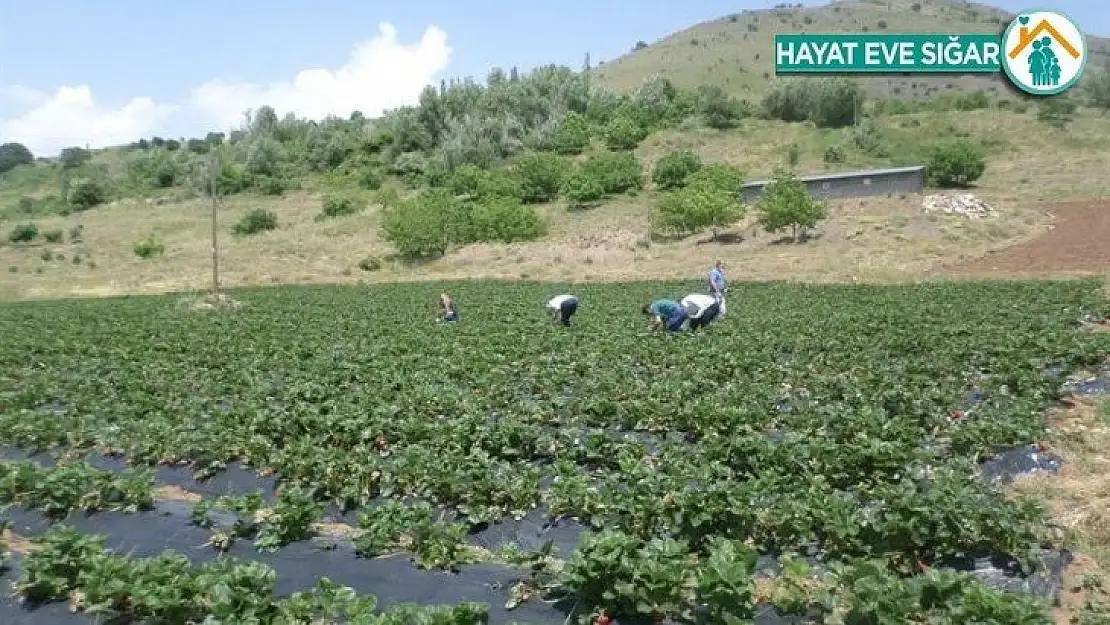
{"points": [[846, 174]]}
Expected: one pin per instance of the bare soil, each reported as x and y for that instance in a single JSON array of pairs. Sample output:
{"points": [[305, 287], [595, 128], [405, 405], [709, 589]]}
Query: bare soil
{"points": [[1077, 242]]}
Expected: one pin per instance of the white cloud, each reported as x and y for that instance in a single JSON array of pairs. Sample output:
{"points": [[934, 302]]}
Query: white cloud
{"points": [[381, 74], [70, 117]]}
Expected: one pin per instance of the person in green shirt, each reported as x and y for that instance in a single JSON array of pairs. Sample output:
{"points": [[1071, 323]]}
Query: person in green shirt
{"points": [[666, 312]]}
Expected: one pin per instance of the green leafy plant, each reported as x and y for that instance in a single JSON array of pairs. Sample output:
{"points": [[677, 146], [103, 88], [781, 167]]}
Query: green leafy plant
{"points": [[256, 221], [786, 203]]}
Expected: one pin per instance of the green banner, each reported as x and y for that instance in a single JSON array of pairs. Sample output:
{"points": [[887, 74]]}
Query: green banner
{"points": [[887, 53]]}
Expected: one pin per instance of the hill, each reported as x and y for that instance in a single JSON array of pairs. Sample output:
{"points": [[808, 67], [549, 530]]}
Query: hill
{"points": [[735, 52], [551, 175]]}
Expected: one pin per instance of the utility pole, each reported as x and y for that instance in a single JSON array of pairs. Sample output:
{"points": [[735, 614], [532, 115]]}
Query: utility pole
{"points": [[212, 173]]}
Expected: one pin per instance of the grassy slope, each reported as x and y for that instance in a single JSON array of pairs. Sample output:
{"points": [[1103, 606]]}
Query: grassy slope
{"points": [[872, 239], [737, 52]]}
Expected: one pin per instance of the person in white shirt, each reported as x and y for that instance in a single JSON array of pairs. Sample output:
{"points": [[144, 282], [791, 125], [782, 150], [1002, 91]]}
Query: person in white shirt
{"points": [[700, 309], [563, 307]]}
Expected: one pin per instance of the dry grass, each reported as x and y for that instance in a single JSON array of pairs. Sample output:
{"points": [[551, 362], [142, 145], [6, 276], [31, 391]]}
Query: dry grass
{"points": [[15, 542], [176, 493], [1079, 500], [875, 239], [737, 52]]}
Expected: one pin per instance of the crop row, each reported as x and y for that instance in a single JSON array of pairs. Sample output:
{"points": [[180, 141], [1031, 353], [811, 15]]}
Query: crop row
{"points": [[840, 421]]}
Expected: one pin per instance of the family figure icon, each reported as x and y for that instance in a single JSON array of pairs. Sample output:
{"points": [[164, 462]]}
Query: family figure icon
{"points": [[1044, 67]]}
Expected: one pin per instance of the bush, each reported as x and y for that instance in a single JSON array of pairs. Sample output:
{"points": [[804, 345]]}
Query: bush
{"points": [[572, 135], [827, 102], [710, 199], [582, 189], [834, 154], [53, 236], [258, 220], [74, 157], [232, 178], [25, 205], [84, 193], [338, 206], [13, 155], [955, 164], [541, 176], [1098, 89], [23, 233], [1056, 111], [671, 170], [868, 138], [270, 185], [624, 133], [719, 110], [616, 171], [426, 225], [149, 248], [370, 263], [370, 178], [76, 233], [503, 219], [786, 203]]}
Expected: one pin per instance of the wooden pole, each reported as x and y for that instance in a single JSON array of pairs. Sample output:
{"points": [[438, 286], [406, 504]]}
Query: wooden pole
{"points": [[213, 169]]}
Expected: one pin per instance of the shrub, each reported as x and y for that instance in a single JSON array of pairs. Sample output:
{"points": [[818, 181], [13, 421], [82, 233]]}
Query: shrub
{"points": [[1098, 89], [13, 155], [719, 110], [335, 205], [74, 157], [572, 135], [671, 170], [1056, 111], [370, 178], [541, 176], [270, 185], [868, 138], [503, 219], [710, 199], [582, 189], [955, 164], [149, 248], [616, 171], [53, 236], [23, 233], [232, 178], [25, 205], [258, 220], [370, 263], [786, 203], [834, 154], [84, 193], [424, 226], [624, 133], [827, 102], [76, 233]]}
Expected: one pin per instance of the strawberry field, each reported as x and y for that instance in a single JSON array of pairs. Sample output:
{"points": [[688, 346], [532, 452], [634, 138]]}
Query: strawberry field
{"points": [[338, 456]]}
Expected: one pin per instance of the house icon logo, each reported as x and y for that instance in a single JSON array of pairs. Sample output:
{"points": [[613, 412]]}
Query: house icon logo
{"points": [[1044, 52]]}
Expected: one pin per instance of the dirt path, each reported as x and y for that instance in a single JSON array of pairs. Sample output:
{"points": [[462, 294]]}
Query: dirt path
{"points": [[1078, 243]]}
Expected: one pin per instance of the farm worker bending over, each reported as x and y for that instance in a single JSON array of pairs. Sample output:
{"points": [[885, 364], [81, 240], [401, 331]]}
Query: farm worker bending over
{"points": [[563, 307], [447, 308], [718, 286], [665, 311], [701, 309]]}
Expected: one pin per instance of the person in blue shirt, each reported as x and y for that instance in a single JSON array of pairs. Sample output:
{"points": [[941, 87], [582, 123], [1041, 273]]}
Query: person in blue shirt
{"points": [[666, 312], [718, 285], [563, 307]]}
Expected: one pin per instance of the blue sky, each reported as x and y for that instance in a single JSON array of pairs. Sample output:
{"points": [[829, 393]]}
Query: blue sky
{"points": [[125, 49]]}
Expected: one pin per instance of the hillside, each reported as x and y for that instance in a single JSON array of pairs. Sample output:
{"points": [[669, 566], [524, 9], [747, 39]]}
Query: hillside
{"points": [[735, 52], [551, 176]]}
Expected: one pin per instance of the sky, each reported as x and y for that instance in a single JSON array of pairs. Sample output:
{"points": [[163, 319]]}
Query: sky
{"points": [[77, 72]]}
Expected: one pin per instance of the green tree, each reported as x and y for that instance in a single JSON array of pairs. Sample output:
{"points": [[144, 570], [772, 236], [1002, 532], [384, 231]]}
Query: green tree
{"points": [[74, 157], [426, 225], [503, 219], [13, 155], [671, 171], [84, 193], [710, 199], [786, 203], [616, 171], [955, 164], [541, 175], [624, 133], [582, 189], [572, 135]]}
